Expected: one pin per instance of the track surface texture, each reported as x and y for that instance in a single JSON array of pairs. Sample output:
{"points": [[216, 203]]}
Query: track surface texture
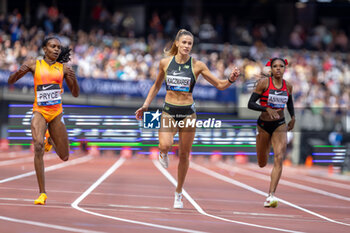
{"points": [[113, 194]]}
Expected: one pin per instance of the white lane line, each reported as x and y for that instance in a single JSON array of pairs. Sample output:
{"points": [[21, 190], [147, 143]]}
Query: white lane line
{"points": [[14, 161], [345, 208], [92, 208], [311, 179], [284, 182], [139, 207], [325, 182], [145, 212], [245, 186], [264, 214], [21, 160], [15, 199], [33, 206], [112, 169], [40, 224], [320, 174], [51, 168], [200, 210], [15, 154]]}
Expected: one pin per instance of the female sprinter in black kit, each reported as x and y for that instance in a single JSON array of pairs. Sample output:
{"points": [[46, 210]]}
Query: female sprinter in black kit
{"points": [[180, 72], [274, 93]]}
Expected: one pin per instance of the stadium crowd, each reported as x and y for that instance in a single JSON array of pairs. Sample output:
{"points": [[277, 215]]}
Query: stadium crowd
{"points": [[320, 78]]}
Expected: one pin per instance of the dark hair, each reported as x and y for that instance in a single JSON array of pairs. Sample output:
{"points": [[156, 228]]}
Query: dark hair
{"points": [[277, 58], [173, 50], [64, 56]]}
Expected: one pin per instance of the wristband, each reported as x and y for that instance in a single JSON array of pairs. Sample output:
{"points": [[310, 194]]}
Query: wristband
{"points": [[230, 80]]}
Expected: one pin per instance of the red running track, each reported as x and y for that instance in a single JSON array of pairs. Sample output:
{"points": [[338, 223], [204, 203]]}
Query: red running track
{"points": [[111, 194]]}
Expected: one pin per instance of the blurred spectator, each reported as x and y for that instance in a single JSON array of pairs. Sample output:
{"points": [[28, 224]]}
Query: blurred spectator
{"points": [[155, 25], [296, 38], [170, 25], [116, 23], [341, 41], [220, 28], [66, 27], [320, 79], [41, 13], [53, 13], [129, 25], [96, 12], [207, 33]]}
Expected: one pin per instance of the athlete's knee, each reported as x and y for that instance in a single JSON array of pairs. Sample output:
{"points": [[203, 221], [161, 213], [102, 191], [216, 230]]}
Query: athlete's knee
{"points": [[262, 163], [262, 160], [65, 156], [38, 147], [164, 148], [184, 156], [278, 159]]}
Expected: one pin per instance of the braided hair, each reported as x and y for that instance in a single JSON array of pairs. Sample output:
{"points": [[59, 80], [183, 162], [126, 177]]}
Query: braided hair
{"points": [[64, 56]]}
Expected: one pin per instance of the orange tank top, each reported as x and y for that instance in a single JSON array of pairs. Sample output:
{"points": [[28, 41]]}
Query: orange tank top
{"points": [[48, 87]]}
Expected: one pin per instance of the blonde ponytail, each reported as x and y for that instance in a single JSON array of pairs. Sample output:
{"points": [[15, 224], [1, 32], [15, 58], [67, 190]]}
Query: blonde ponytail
{"points": [[173, 49]]}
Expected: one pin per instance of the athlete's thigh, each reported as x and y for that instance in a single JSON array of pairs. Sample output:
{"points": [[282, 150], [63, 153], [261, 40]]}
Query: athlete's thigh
{"points": [[187, 134], [263, 144], [38, 127], [167, 130], [58, 134], [279, 140]]}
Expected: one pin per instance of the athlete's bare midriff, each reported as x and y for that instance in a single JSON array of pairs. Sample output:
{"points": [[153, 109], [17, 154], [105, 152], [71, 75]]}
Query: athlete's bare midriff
{"points": [[179, 98], [266, 117]]}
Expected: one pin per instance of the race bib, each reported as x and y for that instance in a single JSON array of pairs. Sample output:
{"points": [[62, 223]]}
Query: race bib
{"points": [[178, 83], [277, 99], [48, 94]]}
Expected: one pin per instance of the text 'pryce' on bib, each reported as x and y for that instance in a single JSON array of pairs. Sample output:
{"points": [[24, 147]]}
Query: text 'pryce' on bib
{"points": [[178, 83], [48, 94]]}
